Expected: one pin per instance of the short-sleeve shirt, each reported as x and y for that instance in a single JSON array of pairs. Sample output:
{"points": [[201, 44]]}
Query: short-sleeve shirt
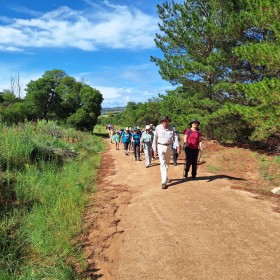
{"points": [[126, 137], [147, 138], [117, 137], [193, 138], [136, 138]]}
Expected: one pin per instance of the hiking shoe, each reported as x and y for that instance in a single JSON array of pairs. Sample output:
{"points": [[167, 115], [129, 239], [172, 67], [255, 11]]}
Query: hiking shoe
{"points": [[175, 164], [163, 186], [147, 166], [193, 177]]}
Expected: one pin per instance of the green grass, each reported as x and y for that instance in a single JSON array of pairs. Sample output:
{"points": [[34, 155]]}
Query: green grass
{"points": [[213, 168], [277, 160], [42, 215], [269, 169]]}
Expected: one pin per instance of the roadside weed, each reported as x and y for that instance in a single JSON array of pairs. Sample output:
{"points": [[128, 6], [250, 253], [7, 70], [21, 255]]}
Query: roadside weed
{"points": [[46, 176]]}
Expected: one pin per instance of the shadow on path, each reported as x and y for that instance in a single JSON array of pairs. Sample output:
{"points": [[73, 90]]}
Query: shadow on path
{"points": [[92, 274], [177, 181]]}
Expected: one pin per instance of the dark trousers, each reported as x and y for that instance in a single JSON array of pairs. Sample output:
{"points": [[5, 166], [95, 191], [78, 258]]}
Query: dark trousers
{"points": [[136, 151], [191, 160], [175, 155]]}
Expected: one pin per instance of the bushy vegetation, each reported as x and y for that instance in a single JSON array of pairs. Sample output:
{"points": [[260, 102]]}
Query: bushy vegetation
{"points": [[54, 96], [223, 58], [46, 173]]}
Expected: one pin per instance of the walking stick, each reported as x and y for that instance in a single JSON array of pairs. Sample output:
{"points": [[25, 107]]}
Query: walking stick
{"points": [[199, 156], [185, 165], [184, 170]]}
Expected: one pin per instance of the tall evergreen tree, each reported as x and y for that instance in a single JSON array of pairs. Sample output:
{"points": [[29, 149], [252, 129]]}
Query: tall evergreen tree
{"points": [[217, 51], [197, 38], [262, 54]]}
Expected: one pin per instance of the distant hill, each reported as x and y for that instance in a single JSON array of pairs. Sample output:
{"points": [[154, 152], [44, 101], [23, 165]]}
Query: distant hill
{"points": [[113, 110]]}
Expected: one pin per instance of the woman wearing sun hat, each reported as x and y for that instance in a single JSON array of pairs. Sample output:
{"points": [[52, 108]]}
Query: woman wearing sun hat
{"points": [[192, 143]]}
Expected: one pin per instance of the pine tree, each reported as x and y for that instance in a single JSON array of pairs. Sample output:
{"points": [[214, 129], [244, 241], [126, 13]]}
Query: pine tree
{"points": [[197, 38], [262, 53], [224, 54]]}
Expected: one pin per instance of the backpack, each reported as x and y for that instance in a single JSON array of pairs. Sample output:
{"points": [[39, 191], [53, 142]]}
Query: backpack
{"points": [[190, 131]]}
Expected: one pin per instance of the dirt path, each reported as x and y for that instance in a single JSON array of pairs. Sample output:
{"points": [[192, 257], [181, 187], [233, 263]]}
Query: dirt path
{"points": [[199, 229]]}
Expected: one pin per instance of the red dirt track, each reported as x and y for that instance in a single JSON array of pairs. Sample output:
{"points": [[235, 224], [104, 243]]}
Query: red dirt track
{"points": [[199, 229]]}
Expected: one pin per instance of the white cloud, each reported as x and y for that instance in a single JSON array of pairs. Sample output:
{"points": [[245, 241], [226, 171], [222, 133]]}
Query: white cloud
{"points": [[9, 71], [21, 9], [113, 26], [109, 92]]}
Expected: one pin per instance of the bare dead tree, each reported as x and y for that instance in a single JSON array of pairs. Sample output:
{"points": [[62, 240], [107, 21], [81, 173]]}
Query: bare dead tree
{"points": [[13, 84], [16, 85], [19, 86]]}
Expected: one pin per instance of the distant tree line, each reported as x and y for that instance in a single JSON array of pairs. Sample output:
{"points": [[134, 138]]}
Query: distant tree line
{"points": [[114, 110], [223, 57], [54, 96]]}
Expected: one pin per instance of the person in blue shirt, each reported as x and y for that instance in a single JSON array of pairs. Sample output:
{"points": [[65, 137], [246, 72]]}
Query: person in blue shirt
{"points": [[126, 139], [136, 135], [117, 139]]}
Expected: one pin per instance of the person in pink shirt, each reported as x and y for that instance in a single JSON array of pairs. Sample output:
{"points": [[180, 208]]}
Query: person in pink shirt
{"points": [[192, 144]]}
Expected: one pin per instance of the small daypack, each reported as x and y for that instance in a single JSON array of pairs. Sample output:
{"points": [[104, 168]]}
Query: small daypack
{"points": [[191, 131]]}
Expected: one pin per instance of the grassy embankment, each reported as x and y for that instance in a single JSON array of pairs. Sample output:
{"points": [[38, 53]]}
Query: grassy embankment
{"points": [[46, 174], [260, 171]]}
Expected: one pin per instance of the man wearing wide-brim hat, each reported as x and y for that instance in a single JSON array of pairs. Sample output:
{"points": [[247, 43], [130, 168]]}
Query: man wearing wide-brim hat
{"points": [[192, 143], [162, 145]]}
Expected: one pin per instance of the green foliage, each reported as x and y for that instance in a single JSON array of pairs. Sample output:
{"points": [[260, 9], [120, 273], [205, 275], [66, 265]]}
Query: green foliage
{"points": [[261, 54], [136, 114], [42, 99], [15, 147], [70, 93], [277, 160], [41, 217], [85, 118], [54, 96], [224, 55]]}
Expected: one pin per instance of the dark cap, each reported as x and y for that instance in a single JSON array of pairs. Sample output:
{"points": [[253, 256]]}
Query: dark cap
{"points": [[165, 118]]}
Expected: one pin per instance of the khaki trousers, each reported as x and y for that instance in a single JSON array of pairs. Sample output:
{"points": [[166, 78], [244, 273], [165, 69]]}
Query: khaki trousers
{"points": [[148, 154], [164, 155]]}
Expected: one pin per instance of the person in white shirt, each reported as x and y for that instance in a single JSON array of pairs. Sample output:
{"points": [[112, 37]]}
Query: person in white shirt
{"points": [[164, 137]]}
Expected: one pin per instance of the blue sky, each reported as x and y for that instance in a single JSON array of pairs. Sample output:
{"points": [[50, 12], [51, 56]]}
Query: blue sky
{"points": [[107, 44]]}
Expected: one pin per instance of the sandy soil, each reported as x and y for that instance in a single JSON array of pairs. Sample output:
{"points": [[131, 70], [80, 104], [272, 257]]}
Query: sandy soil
{"points": [[201, 229]]}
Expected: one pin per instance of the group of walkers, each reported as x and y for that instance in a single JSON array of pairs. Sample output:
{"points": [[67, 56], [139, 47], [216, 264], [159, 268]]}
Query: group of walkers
{"points": [[162, 141]]}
